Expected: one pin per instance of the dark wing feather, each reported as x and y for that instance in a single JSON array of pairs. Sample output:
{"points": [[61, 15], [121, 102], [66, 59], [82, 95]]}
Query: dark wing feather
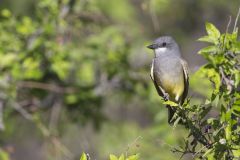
{"points": [[186, 80], [158, 88], [160, 93]]}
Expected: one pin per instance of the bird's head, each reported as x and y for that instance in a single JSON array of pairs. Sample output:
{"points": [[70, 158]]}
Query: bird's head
{"points": [[163, 44]]}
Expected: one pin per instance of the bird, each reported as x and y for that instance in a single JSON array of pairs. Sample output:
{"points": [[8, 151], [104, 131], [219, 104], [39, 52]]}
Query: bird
{"points": [[169, 72]]}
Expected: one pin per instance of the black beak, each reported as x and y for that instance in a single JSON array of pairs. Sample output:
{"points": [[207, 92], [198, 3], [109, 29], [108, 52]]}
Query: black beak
{"points": [[152, 46]]}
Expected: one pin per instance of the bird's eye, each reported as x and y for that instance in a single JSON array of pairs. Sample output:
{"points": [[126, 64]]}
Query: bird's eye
{"points": [[164, 44]]}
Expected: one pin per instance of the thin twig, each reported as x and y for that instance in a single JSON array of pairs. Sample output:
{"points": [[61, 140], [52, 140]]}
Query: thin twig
{"points": [[228, 25], [227, 81], [55, 112], [2, 127], [183, 152], [199, 151], [58, 144], [236, 21], [164, 143], [44, 130], [195, 132], [229, 22], [131, 144], [45, 86], [22, 111]]}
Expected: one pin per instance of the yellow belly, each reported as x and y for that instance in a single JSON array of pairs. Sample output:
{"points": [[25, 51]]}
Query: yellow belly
{"points": [[173, 88]]}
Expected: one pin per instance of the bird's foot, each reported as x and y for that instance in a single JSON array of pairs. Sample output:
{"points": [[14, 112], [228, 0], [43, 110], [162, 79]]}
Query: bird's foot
{"points": [[166, 96]]}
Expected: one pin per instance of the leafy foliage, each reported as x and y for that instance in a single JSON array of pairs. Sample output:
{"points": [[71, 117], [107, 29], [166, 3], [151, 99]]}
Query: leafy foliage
{"points": [[216, 137], [46, 57]]}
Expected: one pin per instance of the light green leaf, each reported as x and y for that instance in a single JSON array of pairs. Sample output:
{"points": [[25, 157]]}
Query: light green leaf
{"points": [[83, 157], [214, 77], [133, 157], [71, 98], [8, 59], [207, 39], [176, 122], [208, 153], [121, 157], [61, 67], [171, 103], [228, 132], [4, 155], [213, 32], [113, 157], [6, 13], [86, 75], [236, 153], [236, 108], [31, 68], [209, 49], [26, 27], [237, 77], [236, 46]]}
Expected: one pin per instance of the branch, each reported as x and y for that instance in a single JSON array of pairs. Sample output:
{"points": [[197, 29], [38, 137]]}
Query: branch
{"points": [[236, 21], [55, 113], [228, 25], [2, 126], [45, 86], [22, 111], [194, 131], [228, 82], [44, 130]]}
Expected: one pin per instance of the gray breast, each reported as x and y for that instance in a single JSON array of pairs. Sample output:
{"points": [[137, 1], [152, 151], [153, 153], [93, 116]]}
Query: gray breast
{"points": [[168, 67]]}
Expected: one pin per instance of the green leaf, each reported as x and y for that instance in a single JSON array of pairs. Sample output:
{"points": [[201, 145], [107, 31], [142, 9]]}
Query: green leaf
{"points": [[228, 132], [209, 49], [176, 122], [31, 68], [113, 157], [121, 157], [4, 155], [207, 39], [61, 68], [213, 32], [205, 111], [223, 113], [214, 76], [86, 74], [236, 108], [236, 153], [236, 46], [83, 157], [171, 103], [6, 13], [26, 27], [8, 59], [133, 157], [208, 152]]}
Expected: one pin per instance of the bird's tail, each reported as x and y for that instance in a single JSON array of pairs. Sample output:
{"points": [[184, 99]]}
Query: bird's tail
{"points": [[171, 112]]}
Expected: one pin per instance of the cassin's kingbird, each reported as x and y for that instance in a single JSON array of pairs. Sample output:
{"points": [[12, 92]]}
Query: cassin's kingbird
{"points": [[169, 72]]}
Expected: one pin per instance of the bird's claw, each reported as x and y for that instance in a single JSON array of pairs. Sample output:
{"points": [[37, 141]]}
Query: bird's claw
{"points": [[166, 96]]}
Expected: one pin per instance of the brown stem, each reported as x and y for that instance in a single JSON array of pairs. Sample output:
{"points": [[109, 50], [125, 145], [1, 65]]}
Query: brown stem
{"points": [[45, 86]]}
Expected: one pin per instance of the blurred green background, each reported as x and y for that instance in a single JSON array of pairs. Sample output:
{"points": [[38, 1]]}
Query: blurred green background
{"points": [[75, 75]]}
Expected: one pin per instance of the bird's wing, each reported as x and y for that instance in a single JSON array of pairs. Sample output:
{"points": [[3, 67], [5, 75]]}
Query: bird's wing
{"points": [[186, 79], [158, 88]]}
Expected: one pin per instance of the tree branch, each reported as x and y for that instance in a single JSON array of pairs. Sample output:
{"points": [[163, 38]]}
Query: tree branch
{"points": [[45, 86]]}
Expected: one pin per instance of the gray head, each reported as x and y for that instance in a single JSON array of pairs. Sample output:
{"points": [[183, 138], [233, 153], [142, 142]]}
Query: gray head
{"points": [[165, 45]]}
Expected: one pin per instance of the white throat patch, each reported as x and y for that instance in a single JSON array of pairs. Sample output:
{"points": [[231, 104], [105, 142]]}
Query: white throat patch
{"points": [[160, 50]]}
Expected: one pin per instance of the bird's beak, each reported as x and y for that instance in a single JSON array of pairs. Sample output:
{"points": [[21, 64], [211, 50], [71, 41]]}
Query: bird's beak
{"points": [[152, 46]]}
